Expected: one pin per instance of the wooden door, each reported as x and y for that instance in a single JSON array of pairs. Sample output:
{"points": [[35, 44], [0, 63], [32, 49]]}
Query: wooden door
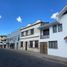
{"points": [[43, 47], [25, 45]]}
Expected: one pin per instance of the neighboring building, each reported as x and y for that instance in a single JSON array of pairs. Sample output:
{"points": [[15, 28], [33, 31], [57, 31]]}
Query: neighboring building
{"points": [[53, 39], [3, 39], [29, 37], [13, 40]]}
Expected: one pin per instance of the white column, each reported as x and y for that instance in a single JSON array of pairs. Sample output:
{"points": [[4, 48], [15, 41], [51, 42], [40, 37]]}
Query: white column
{"points": [[33, 44], [19, 45], [15, 45], [28, 45], [2, 46], [6, 46], [29, 32]]}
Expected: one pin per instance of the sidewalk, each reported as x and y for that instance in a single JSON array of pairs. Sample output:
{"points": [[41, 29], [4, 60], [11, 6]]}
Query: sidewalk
{"points": [[47, 57], [43, 56]]}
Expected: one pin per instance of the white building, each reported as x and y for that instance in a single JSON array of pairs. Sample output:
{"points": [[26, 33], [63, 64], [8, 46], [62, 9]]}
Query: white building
{"points": [[13, 39], [47, 38], [29, 37], [53, 40], [3, 41]]}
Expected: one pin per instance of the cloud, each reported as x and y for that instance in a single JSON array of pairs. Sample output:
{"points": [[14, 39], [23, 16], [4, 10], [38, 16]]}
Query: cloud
{"points": [[19, 19], [54, 15], [28, 24], [38, 21], [0, 17]]}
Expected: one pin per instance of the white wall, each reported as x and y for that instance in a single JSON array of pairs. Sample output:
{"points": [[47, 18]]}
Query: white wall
{"points": [[62, 44], [59, 36], [13, 38], [29, 38], [36, 30]]}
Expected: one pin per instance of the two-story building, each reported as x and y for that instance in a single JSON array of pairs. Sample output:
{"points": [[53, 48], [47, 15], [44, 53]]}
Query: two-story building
{"points": [[47, 38], [30, 35], [53, 39], [3, 41], [13, 39]]}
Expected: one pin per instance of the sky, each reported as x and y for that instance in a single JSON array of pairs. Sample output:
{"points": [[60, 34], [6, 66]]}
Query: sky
{"points": [[15, 14]]}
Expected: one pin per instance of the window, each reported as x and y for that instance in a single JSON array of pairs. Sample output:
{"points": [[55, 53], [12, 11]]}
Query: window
{"points": [[46, 32], [31, 44], [22, 33], [18, 37], [27, 33], [53, 44], [1, 36], [54, 28], [17, 44], [21, 44], [59, 27], [32, 31], [36, 44], [3, 40]]}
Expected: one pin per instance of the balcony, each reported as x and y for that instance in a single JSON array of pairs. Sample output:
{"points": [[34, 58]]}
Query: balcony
{"points": [[44, 36]]}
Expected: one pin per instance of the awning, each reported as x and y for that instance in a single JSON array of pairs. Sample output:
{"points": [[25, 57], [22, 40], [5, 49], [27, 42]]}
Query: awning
{"points": [[41, 28], [46, 26]]}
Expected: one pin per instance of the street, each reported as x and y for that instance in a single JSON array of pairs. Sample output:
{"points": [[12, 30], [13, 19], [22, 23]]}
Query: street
{"points": [[14, 59]]}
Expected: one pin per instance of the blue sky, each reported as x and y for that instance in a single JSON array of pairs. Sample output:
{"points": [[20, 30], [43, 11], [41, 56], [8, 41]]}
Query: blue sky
{"points": [[28, 10]]}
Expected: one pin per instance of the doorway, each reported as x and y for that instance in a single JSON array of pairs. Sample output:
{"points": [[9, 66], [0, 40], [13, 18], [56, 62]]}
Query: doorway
{"points": [[4, 46], [12, 45], [43, 47], [25, 45]]}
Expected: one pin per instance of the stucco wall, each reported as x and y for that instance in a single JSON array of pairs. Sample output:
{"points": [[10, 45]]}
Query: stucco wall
{"points": [[29, 38], [59, 36], [36, 31]]}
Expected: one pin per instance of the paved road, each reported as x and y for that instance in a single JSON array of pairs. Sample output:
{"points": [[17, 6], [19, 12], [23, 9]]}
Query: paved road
{"points": [[15, 59]]}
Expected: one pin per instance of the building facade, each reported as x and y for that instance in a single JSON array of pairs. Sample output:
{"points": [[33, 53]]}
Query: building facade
{"points": [[13, 40], [47, 38], [29, 37], [53, 40], [43, 37], [3, 41]]}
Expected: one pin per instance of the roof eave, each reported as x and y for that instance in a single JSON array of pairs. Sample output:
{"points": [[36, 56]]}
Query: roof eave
{"points": [[62, 11]]}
